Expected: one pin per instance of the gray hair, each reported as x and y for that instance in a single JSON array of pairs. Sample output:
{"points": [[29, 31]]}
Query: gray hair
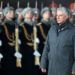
{"points": [[64, 10]]}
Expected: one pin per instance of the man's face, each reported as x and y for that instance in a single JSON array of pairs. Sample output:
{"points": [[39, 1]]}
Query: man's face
{"points": [[36, 16], [61, 17], [20, 17], [10, 14], [29, 15], [46, 15]]}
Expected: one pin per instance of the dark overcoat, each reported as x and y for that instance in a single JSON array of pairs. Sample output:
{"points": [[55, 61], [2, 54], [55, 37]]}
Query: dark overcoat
{"points": [[59, 51]]}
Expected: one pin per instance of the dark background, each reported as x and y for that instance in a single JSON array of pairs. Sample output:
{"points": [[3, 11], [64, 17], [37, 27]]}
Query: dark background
{"points": [[23, 3]]}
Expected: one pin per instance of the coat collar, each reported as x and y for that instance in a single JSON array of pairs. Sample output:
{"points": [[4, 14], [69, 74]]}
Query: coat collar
{"points": [[63, 26]]}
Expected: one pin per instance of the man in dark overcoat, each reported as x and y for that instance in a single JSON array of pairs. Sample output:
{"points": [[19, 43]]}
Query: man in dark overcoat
{"points": [[59, 52]]}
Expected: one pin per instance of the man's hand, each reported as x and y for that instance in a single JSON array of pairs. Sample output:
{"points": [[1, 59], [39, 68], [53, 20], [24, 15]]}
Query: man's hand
{"points": [[73, 73], [43, 70]]}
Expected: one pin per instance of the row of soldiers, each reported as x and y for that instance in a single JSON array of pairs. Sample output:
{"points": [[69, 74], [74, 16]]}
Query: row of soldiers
{"points": [[22, 38]]}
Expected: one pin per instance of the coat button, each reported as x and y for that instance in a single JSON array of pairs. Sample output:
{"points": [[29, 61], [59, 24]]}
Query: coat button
{"points": [[58, 30], [62, 28]]}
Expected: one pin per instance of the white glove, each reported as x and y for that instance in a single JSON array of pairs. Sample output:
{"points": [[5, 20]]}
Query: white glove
{"points": [[37, 40], [18, 55], [36, 53], [0, 43], [19, 41], [1, 56]]}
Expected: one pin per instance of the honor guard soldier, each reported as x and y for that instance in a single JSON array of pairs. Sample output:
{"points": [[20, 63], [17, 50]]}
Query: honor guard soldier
{"points": [[26, 42], [72, 18], [8, 42], [19, 17], [36, 17], [44, 26]]}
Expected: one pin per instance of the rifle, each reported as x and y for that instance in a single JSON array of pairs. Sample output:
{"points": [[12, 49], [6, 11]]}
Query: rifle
{"points": [[36, 53], [17, 54]]}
